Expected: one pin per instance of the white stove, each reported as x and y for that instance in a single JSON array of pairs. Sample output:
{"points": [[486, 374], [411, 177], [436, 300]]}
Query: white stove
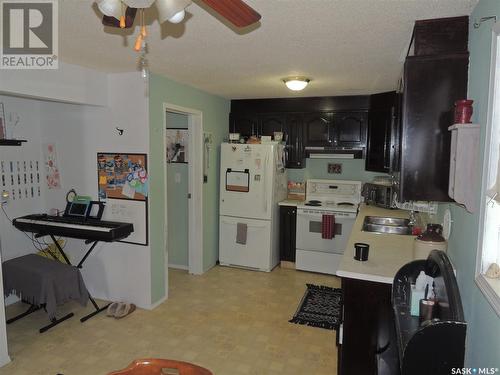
{"points": [[320, 247]]}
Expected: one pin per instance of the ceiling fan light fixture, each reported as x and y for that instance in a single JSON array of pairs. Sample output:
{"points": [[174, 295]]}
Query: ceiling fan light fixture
{"points": [[177, 17], [110, 8], [296, 83], [172, 10]]}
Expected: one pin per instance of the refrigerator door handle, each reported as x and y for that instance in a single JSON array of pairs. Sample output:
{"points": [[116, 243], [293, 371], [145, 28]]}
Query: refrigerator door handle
{"points": [[248, 225], [264, 183]]}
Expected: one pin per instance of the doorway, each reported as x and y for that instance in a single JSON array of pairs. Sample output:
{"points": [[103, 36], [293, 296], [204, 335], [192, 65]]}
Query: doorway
{"points": [[183, 188]]}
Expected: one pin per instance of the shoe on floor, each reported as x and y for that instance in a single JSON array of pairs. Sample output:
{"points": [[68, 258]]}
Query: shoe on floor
{"points": [[124, 310], [113, 308]]}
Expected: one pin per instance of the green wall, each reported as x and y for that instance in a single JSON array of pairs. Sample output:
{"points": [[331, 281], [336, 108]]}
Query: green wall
{"points": [[483, 332], [352, 169], [215, 119], [177, 202]]}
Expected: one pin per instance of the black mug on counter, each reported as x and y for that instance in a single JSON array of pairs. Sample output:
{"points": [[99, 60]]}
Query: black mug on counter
{"points": [[361, 251]]}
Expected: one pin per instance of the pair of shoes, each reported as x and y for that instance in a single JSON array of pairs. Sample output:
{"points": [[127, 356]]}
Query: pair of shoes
{"points": [[120, 310], [124, 310]]}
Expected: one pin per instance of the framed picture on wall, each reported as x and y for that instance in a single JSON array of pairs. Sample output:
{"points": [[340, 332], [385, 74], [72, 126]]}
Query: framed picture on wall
{"points": [[177, 145]]}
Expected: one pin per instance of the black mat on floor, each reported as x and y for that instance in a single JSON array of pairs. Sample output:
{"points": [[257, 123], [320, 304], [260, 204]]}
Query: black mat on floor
{"points": [[320, 307]]}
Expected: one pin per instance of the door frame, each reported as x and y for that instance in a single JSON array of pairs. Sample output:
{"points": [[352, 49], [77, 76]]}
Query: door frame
{"points": [[195, 186]]}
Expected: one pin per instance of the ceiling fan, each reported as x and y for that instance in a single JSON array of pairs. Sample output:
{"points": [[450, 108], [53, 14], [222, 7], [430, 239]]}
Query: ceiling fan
{"points": [[121, 13]]}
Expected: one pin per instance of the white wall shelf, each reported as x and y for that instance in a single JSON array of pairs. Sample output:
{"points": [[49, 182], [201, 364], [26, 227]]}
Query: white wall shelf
{"points": [[464, 164]]}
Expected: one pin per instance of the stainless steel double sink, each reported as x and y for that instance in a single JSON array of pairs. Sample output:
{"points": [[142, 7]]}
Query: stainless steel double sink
{"points": [[389, 225]]}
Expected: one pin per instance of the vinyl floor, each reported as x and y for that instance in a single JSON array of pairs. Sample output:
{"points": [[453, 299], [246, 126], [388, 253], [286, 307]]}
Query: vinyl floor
{"points": [[231, 321]]}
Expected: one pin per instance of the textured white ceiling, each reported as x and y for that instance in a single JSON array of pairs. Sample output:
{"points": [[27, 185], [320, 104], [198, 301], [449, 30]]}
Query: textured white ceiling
{"points": [[346, 47]]}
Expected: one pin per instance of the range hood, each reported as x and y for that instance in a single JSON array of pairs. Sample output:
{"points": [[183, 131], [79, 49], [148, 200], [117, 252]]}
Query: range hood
{"points": [[334, 153]]}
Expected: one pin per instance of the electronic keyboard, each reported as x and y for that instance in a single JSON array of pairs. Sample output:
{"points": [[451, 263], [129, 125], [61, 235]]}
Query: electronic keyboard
{"points": [[73, 227]]}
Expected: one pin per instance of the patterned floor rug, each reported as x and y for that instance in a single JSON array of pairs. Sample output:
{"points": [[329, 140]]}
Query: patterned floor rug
{"points": [[320, 307]]}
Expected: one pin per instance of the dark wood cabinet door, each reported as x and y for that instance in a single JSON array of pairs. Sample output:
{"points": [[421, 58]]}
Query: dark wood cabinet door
{"points": [[270, 123], [246, 125], [288, 223], [293, 138], [350, 129], [366, 307], [318, 130], [431, 87], [379, 142]]}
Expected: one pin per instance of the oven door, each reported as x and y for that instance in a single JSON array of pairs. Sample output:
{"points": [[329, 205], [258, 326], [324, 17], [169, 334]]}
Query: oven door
{"points": [[309, 231]]}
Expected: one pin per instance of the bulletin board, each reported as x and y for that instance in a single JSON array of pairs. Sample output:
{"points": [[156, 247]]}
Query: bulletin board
{"points": [[129, 211], [123, 185], [122, 176]]}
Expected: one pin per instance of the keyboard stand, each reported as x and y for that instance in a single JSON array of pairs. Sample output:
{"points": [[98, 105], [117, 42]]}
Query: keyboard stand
{"points": [[32, 309], [80, 265]]}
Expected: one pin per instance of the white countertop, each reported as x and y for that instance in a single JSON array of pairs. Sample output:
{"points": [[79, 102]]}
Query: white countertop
{"points": [[387, 254], [290, 202]]}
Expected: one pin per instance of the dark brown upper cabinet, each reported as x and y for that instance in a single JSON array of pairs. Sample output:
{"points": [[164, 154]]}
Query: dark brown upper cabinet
{"points": [[317, 121], [293, 138], [318, 129], [441, 36], [381, 122], [272, 122], [431, 87], [245, 124], [350, 129], [291, 126]]}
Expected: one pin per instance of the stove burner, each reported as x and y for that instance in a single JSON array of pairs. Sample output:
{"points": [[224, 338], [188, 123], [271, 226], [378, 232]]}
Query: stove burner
{"points": [[313, 203], [345, 204]]}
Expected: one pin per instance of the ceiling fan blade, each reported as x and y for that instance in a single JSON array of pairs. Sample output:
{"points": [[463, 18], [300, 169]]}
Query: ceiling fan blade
{"points": [[235, 11], [129, 19]]}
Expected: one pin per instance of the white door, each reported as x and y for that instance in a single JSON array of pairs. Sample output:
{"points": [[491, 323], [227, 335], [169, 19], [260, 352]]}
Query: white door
{"points": [[246, 180], [255, 253]]}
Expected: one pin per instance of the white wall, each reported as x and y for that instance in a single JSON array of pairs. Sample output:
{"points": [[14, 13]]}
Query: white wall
{"points": [[69, 83], [14, 242], [116, 271]]}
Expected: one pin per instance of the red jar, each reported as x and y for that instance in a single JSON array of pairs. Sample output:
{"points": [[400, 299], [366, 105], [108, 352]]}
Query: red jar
{"points": [[463, 111]]}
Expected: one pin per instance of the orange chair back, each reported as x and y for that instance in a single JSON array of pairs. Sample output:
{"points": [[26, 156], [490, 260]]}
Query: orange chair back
{"points": [[154, 366]]}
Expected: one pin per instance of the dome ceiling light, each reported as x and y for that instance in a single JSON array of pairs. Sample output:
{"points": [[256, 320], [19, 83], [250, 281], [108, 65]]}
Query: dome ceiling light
{"points": [[296, 83]]}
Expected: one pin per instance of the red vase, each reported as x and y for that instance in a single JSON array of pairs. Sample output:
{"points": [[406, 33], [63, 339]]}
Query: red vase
{"points": [[463, 111]]}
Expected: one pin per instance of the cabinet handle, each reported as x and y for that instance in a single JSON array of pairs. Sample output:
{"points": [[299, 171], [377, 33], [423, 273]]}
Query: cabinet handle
{"points": [[392, 150]]}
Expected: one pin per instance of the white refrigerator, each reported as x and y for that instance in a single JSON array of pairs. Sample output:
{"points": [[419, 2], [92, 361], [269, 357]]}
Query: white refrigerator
{"points": [[252, 181]]}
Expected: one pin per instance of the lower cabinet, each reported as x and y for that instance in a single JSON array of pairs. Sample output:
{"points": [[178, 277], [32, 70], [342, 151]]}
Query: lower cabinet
{"points": [[367, 327], [288, 224]]}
